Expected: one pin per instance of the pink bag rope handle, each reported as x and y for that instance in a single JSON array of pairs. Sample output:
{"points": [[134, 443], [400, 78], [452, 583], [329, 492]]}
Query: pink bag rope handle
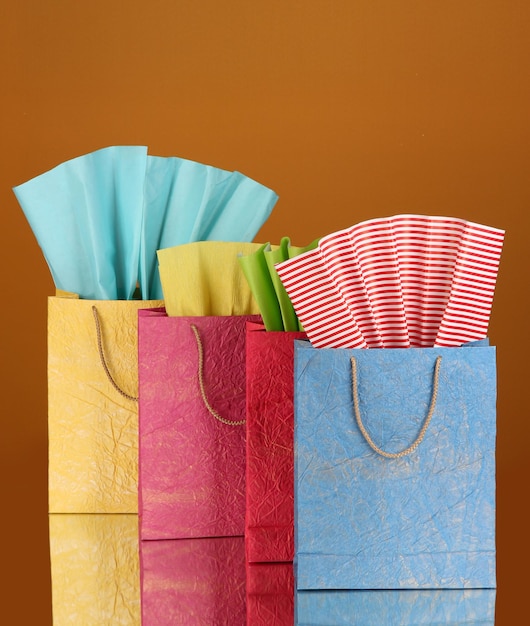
{"points": [[104, 361], [421, 435], [200, 373]]}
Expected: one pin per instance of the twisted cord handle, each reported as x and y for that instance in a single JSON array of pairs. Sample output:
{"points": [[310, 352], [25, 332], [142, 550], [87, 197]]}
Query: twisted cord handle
{"points": [[104, 361], [421, 435], [200, 374]]}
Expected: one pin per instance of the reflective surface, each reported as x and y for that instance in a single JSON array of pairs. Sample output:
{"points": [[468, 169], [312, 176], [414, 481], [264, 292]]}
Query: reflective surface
{"points": [[193, 581], [95, 569], [102, 574], [407, 608]]}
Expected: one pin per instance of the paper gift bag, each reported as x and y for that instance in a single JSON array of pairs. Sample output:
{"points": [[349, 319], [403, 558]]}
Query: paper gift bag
{"points": [[195, 582], [95, 569], [269, 525], [395, 468], [92, 405], [191, 425], [425, 607], [270, 594]]}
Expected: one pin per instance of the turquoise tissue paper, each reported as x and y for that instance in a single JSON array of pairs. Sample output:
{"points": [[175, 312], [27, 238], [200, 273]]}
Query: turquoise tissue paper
{"points": [[187, 201], [100, 218], [86, 215]]}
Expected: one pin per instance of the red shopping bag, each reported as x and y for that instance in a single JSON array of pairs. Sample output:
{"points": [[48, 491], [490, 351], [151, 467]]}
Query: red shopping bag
{"points": [[269, 525], [270, 594]]}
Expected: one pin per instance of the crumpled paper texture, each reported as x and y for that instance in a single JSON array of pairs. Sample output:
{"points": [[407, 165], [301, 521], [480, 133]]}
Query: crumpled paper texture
{"points": [[95, 569], [270, 594], [426, 520], [92, 429], [269, 521], [440, 607], [195, 582], [192, 466]]}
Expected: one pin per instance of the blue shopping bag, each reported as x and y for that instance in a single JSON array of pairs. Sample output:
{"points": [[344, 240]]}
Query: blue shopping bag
{"points": [[420, 607], [395, 468]]}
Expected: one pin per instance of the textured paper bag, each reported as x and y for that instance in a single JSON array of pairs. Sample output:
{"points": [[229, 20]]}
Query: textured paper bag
{"points": [[92, 427], [269, 524], [425, 519], [192, 425], [95, 569]]}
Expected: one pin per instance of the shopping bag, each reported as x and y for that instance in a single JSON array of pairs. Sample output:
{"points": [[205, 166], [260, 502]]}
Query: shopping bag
{"points": [[194, 582], [191, 425], [395, 468], [269, 525], [424, 607], [270, 594], [95, 569], [92, 405]]}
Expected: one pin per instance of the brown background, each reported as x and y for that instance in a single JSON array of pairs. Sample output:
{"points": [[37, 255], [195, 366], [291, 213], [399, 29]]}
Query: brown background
{"points": [[349, 109]]}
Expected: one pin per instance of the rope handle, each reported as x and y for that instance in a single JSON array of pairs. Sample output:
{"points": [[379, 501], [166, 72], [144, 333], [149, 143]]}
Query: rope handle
{"points": [[200, 374], [104, 361], [421, 435]]}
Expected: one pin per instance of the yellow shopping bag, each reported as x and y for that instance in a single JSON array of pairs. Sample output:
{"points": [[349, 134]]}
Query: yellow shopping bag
{"points": [[92, 404]]}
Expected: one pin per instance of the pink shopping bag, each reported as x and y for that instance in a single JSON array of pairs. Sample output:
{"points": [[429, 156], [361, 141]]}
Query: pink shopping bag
{"points": [[194, 582], [269, 524], [191, 375]]}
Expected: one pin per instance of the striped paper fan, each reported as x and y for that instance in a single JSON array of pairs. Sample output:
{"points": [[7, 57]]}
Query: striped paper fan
{"points": [[365, 267], [398, 282], [327, 319], [467, 314]]}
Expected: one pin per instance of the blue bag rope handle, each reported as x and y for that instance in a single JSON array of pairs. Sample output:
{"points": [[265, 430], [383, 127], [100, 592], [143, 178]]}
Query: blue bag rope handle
{"points": [[421, 435]]}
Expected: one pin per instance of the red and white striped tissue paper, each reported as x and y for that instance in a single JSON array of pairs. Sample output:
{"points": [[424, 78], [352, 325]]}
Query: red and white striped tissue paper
{"points": [[397, 282]]}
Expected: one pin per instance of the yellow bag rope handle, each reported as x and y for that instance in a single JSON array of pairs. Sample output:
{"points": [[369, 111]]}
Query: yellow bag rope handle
{"points": [[421, 435], [104, 361]]}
